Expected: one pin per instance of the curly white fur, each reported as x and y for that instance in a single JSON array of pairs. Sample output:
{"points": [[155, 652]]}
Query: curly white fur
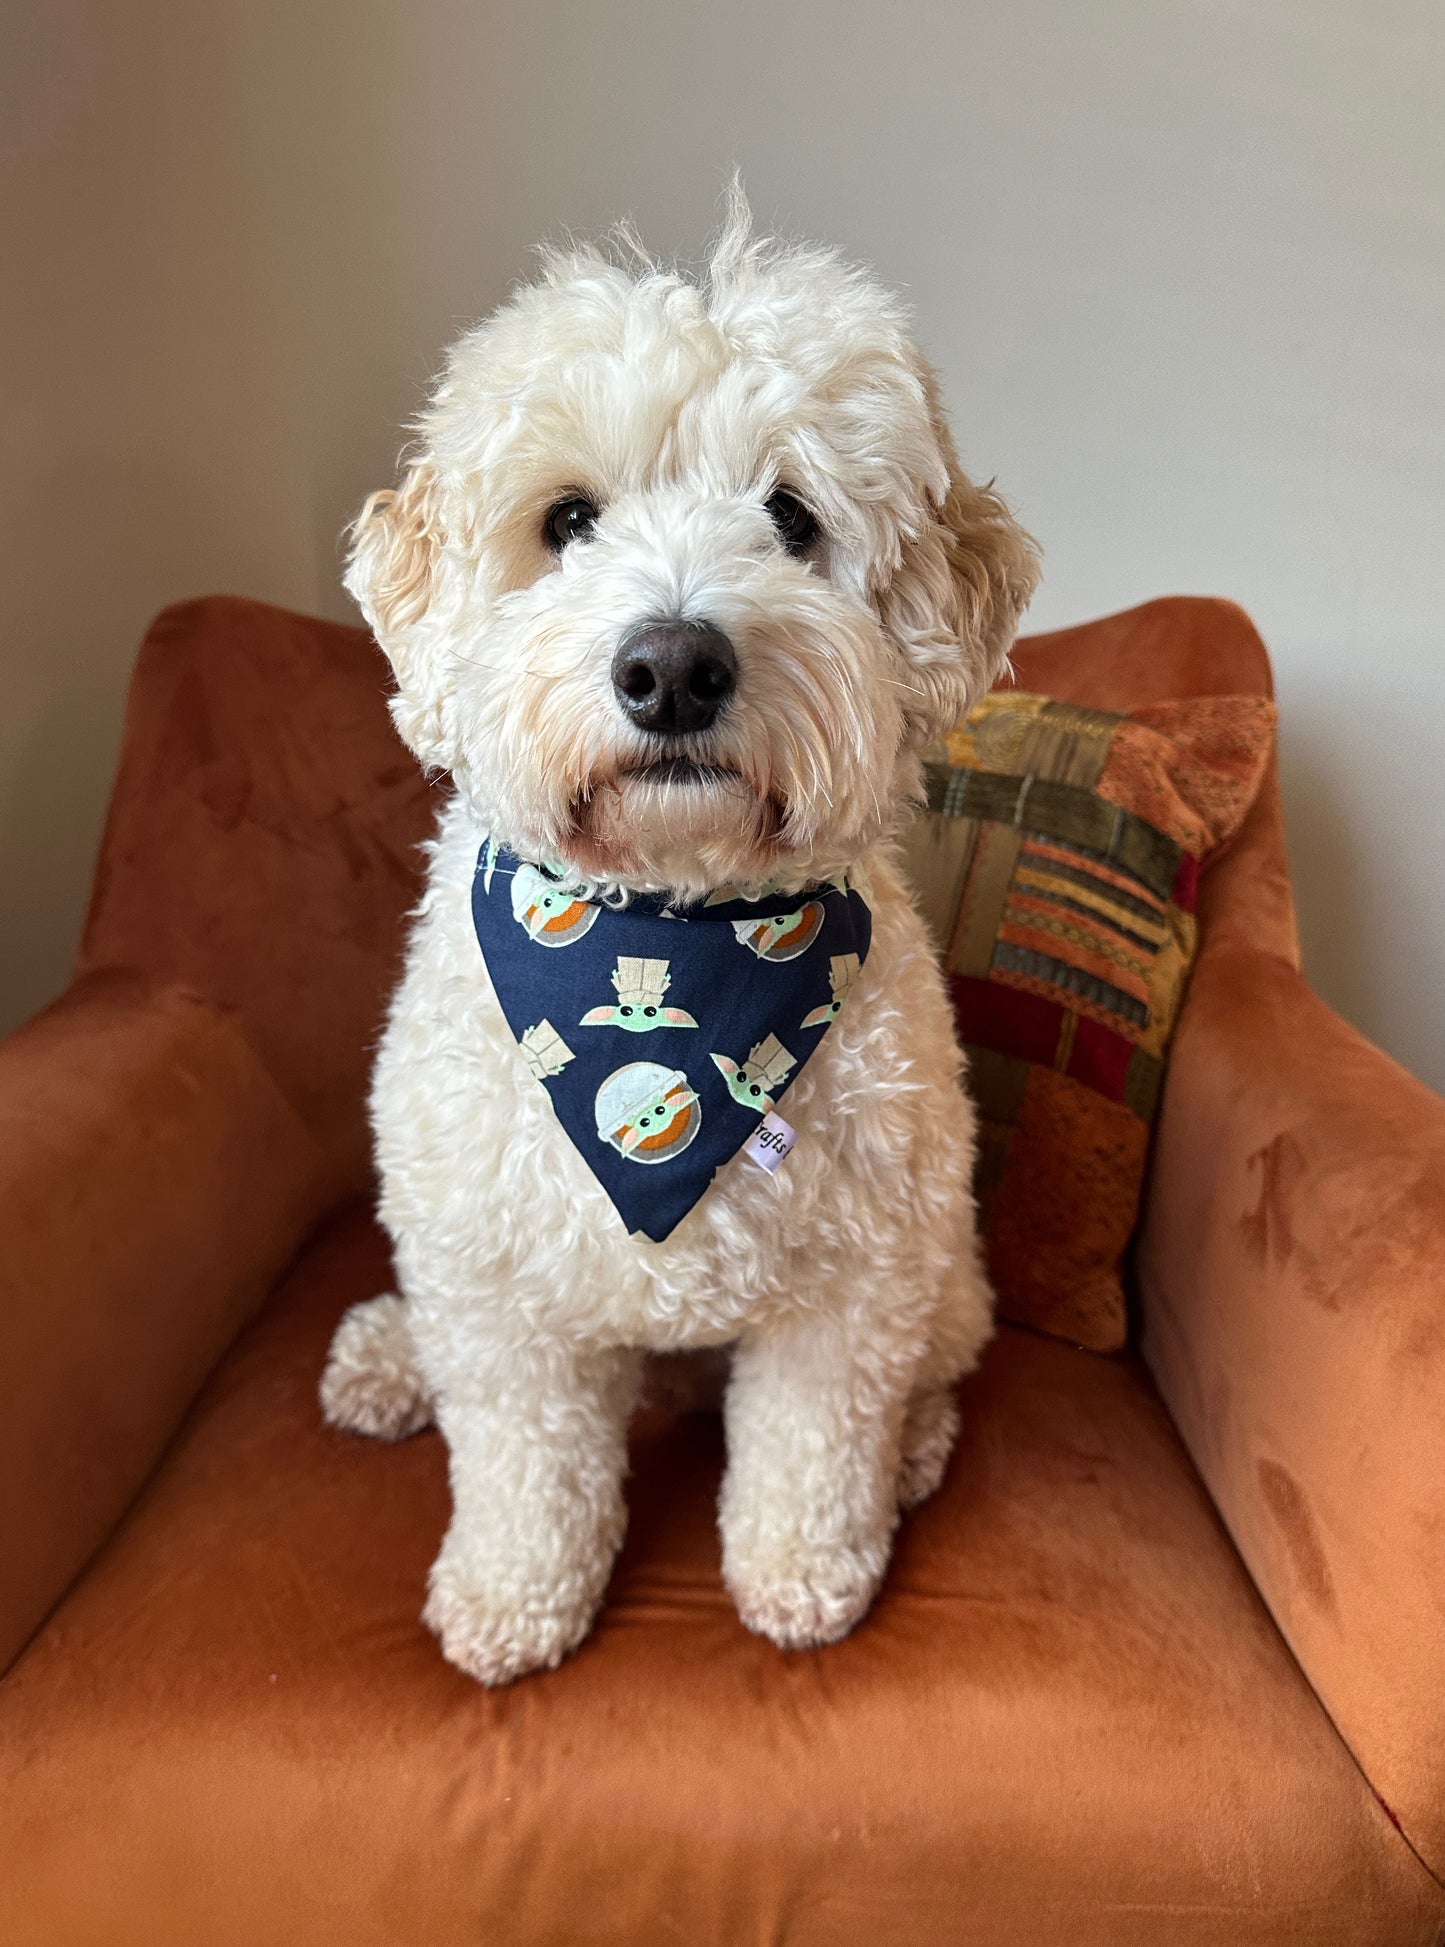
{"points": [[848, 1286]]}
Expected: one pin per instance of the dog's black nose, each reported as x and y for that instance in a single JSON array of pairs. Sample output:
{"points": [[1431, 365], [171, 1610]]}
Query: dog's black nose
{"points": [[673, 677]]}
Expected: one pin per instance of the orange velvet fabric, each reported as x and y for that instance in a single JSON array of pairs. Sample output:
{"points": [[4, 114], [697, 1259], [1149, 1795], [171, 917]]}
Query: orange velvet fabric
{"points": [[153, 1183], [1293, 1278], [1068, 1718], [1179, 645]]}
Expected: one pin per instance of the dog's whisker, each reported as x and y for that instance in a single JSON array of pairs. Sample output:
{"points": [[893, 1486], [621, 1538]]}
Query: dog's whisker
{"points": [[492, 668]]}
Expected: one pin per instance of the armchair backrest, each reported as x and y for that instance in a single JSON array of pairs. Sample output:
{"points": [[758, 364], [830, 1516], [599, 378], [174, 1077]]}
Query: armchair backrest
{"points": [[262, 845]]}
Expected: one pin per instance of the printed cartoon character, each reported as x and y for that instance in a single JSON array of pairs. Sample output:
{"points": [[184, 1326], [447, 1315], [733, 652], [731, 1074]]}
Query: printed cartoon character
{"points": [[784, 936], [767, 1066], [640, 986], [647, 1112], [487, 863], [546, 1052], [550, 915], [842, 978]]}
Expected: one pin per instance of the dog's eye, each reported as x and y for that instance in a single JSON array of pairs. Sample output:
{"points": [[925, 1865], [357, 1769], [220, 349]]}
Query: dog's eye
{"points": [[569, 520], [797, 529]]}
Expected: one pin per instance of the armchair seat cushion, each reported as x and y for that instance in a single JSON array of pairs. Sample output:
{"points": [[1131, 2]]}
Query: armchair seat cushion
{"points": [[1069, 1716]]}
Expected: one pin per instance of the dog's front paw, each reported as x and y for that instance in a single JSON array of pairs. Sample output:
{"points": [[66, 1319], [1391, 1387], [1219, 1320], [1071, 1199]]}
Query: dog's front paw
{"points": [[372, 1383], [496, 1640], [813, 1596]]}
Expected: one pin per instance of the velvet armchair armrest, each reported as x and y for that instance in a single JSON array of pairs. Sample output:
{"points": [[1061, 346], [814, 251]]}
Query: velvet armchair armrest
{"points": [[153, 1182], [1292, 1277]]}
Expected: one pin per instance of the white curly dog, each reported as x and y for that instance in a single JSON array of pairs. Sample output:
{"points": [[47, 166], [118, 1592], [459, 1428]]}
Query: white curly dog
{"points": [[753, 469]]}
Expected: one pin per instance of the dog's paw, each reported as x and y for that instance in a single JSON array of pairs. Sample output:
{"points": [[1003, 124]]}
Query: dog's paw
{"points": [[496, 1641], [817, 1597], [372, 1383], [928, 1436]]}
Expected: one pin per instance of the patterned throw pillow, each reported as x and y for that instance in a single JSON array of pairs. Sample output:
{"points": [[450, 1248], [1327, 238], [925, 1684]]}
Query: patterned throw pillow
{"points": [[1057, 866]]}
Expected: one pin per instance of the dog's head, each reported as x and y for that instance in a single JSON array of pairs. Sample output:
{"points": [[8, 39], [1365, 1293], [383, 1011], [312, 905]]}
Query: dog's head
{"points": [[681, 574]]}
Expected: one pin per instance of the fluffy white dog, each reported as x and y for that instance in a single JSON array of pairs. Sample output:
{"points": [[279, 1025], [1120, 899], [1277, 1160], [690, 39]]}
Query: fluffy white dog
{"points": [[681, 577]]}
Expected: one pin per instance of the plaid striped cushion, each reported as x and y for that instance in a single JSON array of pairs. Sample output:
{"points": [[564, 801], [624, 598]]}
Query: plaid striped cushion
{"points": [[1058, 867]]}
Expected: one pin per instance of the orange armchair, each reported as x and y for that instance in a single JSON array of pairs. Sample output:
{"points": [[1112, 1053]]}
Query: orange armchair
{"points": [[1164, 1660]]}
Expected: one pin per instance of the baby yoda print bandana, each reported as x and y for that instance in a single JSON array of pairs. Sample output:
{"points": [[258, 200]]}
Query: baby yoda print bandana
{"points": [[663, 1034]]}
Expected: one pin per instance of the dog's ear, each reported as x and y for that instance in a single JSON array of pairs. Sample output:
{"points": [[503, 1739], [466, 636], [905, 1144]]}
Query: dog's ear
{"points": [[395, 543], [955, 600], [392, 569]]}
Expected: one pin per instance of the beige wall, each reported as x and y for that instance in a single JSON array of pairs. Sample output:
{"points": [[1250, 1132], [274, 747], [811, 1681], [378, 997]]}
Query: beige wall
{"points": [[1183, 267]]}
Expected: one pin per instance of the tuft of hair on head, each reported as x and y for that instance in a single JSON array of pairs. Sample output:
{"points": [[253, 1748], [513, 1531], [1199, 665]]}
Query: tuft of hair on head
{"points": [[740, 260], [619, 250], [734, 253], [633, 254], [735, 248]]}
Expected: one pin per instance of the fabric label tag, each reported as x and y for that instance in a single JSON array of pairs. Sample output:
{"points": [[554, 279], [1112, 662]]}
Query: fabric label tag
{"points": [[771, 1142]]}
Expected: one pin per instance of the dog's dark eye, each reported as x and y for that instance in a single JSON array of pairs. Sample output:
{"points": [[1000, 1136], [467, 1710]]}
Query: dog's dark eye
{"points": [[797, 530], [569, 520]]}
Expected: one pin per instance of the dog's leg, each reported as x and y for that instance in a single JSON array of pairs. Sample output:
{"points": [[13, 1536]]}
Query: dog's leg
{"points": [[372, 1382], [930, 1428], [538, 1447], [962, 1326], [814, 1414]]}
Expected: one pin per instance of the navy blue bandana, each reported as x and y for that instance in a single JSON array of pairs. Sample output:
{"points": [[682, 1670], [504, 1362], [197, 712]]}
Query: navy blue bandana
{"points": [[664, 1033]]}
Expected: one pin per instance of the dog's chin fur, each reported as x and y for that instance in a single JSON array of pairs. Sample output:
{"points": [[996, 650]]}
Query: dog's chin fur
{"points": [[849, 1284], [688, 835]]}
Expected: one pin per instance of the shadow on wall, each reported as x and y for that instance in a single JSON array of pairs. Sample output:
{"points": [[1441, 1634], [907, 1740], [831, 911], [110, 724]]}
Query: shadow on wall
{"points": [[1329, 876], [192, 207], [1364, 857], [134, 529]]}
